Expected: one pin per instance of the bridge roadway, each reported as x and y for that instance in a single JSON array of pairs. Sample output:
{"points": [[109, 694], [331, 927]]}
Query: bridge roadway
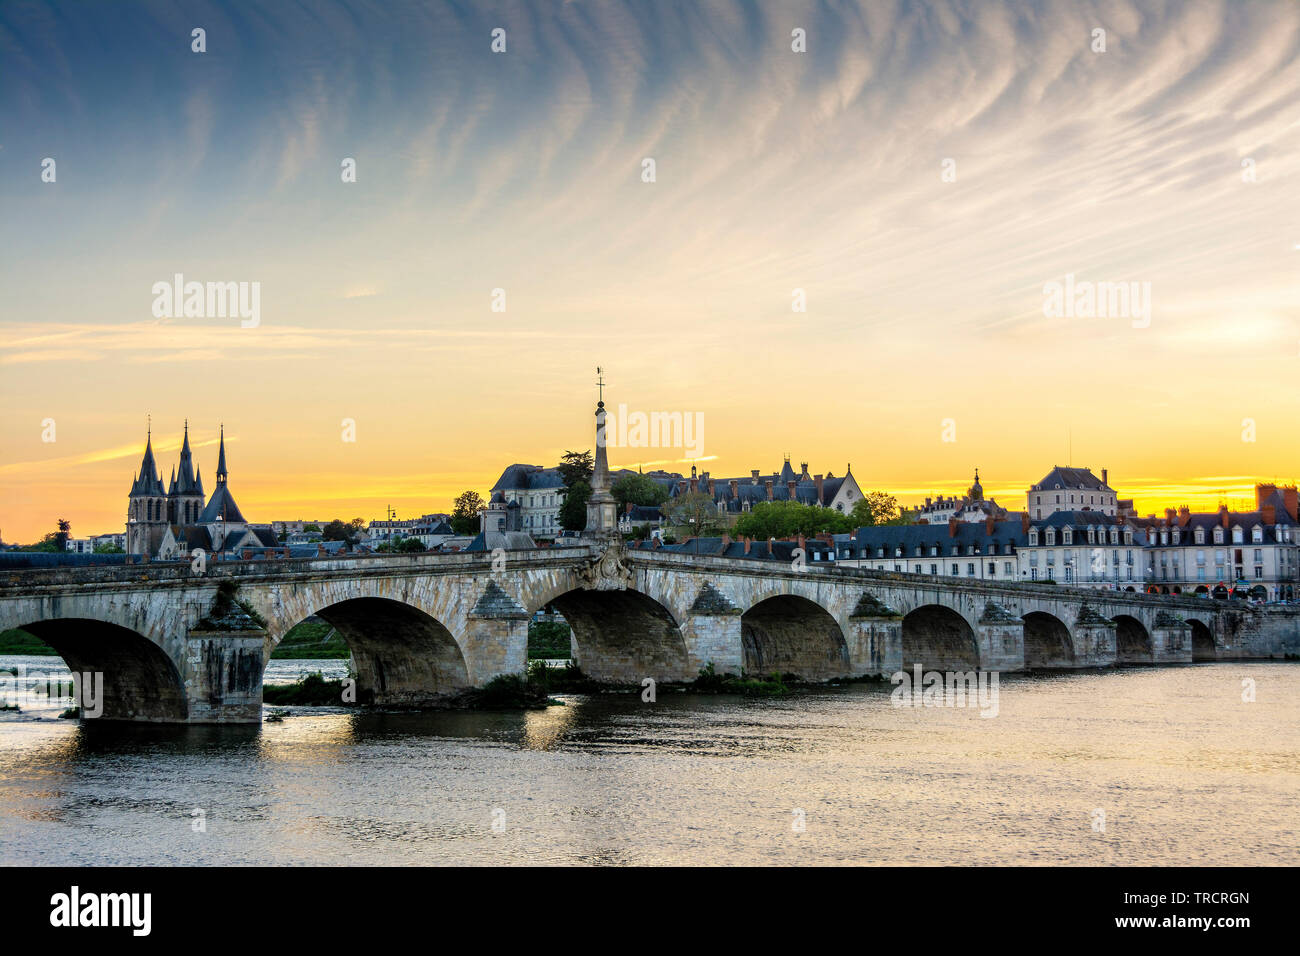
{"points": [[423, 626]]}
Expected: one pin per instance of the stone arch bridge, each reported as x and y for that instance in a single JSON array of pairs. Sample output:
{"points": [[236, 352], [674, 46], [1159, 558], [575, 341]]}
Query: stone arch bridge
{"points": [[423, 626]]}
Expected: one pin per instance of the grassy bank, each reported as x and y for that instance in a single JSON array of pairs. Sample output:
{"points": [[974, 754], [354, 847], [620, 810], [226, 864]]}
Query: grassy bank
{"points": [[18, 641], [312, 639], [548, 640]]}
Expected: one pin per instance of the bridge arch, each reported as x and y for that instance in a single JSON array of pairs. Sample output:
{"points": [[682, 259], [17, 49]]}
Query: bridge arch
{"points": [[1047, 641], [623, 635], [939, 638], [141, 682], [1203, 648], [790, 634], [400, 653], [1132, 641]]}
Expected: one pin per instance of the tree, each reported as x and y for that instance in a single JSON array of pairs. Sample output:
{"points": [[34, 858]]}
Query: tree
{"points": [[337, 530], [311, 527], [576, 466], [784, 519], [62, 535], [106, 548], [695, 512], [409, 546], [573, 512], [877, 508], [464, 512], [637, 490]]}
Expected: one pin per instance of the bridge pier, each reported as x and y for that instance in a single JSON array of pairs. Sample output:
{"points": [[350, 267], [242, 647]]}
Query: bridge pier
{"points": [[1094, 639], [1001, 638], [222, 674], [714, 633], [875, 638], [496, 637], [1171, 640]]}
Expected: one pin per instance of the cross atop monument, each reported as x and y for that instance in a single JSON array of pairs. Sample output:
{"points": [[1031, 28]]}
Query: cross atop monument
{"points": [[600, 385]]}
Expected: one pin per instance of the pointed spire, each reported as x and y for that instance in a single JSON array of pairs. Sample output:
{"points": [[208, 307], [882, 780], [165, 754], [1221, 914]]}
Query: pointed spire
{"points": [[221, 458]]}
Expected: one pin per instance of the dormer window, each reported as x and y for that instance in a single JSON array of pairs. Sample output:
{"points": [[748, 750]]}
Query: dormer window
{"points": [[1051, 537], [1033, 538], [1257, 535], [1177, 535], [1236, 535], [1218, 536], [1067, 536], [1200, 536]]}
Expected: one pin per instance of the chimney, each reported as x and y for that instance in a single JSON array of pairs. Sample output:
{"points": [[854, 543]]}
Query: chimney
{"points": [[825, 537], [804, 475], [1223, 515], [726, 541], [712, 485], [1269, 514], [1024, 522], [927, 502], [753, 477], [771, 542], [768, 484], [802, 542], [1291, 502], [988, 525], [735, 488], [682, 486], [1103, 477], [790, 486], [1184, 516], [1170, 517], [748, 542], [1264, 492], [952, 527], [627, 509], [817, 480]]}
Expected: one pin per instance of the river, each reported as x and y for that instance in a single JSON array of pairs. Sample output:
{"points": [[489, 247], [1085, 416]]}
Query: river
{"points": [[1184, 770]]}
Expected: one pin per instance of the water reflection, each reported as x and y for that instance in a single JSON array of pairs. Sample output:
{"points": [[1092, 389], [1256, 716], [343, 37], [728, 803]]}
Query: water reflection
{"points": [[611, 779]]}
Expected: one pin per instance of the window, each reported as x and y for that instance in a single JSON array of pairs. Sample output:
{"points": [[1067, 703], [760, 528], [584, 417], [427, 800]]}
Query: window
{"points": [[970, 570], [934, 569], [1200, 536], [1006, 568], [1033, 538], [1051, 537], [1259, 555], [1067, 536], [1218, 536], [1236, 535], [955, 569], [993, 569], [1257, 534]]}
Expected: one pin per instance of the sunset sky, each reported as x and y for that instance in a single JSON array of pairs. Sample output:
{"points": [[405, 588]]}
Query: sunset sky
{"points": [[522, 171]]}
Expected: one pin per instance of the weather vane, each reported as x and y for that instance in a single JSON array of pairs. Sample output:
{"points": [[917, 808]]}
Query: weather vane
{"points": [[600, 384]]}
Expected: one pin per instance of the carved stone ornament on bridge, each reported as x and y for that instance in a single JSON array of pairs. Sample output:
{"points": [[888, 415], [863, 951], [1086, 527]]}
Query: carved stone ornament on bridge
{"points": [[1165, 619], [608, 572]]}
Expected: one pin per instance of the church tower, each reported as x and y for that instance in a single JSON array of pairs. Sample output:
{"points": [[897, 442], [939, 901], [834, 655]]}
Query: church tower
{"points": [[185, 496], [602, 517], [146, 515]]}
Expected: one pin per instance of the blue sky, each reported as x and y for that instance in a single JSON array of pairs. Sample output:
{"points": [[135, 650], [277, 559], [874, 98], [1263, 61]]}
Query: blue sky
{"points": [[776, 170]]}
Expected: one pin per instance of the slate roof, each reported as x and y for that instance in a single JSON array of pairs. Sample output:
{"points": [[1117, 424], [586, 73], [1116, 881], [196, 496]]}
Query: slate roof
{"points": [[520, 477], [147, 482], [1074, 478], [221, 506]]}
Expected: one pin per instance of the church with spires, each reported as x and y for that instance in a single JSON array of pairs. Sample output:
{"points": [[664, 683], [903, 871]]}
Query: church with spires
{"points": [[168, 523]]}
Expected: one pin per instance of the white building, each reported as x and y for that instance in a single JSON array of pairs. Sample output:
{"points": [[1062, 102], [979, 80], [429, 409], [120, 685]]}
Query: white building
{"points": [[1070, 489]]}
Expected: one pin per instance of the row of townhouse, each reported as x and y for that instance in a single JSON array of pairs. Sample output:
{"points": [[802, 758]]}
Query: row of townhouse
{"points": [[1254, 553]]}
